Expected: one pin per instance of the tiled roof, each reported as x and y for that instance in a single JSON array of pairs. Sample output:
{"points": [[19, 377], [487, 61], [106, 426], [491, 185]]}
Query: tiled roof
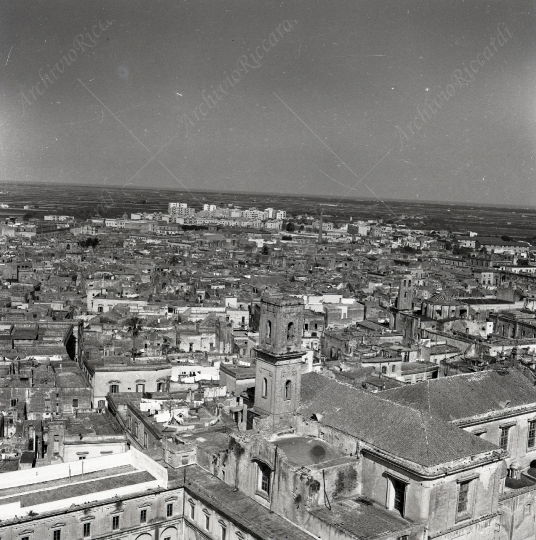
{"points": [[407, 433], [87, 488], [62, 482], [259, 521], [443, 349], [466, 396], [66, 379], [442, 297]]}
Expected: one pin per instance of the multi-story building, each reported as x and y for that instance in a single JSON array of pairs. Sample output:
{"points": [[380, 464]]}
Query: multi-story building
{"points": [[180, 209], [111, 375]]}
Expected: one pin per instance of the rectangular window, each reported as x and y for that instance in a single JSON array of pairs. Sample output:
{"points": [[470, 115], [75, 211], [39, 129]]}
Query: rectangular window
{"points": [[169, 510], [192, 511], [75, 403], [399, 499], [532, 434], [115, 523], [14, 402], [114, 388], [56, 535], [87, 529], [503, 440], [145, 440], [25, 538], [207, 522], [264, 478], [143, 516], [463, 497]]}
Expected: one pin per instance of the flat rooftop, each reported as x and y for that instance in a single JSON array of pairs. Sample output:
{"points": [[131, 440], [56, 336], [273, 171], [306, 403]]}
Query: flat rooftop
{"points": [[92, 425], [486, 301], [307, 450], [238, 372], [363, 519], [418, 367]]}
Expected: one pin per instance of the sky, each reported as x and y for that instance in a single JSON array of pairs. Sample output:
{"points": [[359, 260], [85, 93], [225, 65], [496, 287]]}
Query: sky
{"points": [[392, 99]]}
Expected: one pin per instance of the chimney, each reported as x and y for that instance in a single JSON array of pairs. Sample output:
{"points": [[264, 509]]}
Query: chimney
{"points": [[514, 357]]}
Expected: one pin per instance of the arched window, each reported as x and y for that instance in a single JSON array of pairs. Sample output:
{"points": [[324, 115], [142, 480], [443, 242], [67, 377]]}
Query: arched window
{"points": [[288, 390], [384, 369], [268, 330], [290, 330], [264, 387]]}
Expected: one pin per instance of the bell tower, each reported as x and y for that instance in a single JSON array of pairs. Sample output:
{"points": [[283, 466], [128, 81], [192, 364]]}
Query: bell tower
{"points": [[279, 355], [404, 300]]}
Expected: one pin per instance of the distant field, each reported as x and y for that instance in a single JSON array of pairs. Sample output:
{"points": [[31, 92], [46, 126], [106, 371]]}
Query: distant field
{"points": [[86, 201]]}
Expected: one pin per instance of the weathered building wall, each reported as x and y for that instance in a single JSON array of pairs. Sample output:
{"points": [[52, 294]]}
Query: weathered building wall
{"points": [[483, 498], [518, 435], [127, 381], [518, 516]]}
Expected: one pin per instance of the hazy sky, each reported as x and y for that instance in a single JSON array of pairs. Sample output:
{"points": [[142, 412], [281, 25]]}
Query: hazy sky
{"points": [[430, 100]]}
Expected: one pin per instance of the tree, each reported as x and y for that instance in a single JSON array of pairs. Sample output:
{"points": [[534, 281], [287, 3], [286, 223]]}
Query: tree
{"points": [[506, 238], [134, 326], [290, 227], [89, 242], [166, 346]]}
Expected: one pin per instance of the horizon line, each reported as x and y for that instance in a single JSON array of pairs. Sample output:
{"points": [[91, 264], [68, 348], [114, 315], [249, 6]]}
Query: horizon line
{"points": [[267, 194]]}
